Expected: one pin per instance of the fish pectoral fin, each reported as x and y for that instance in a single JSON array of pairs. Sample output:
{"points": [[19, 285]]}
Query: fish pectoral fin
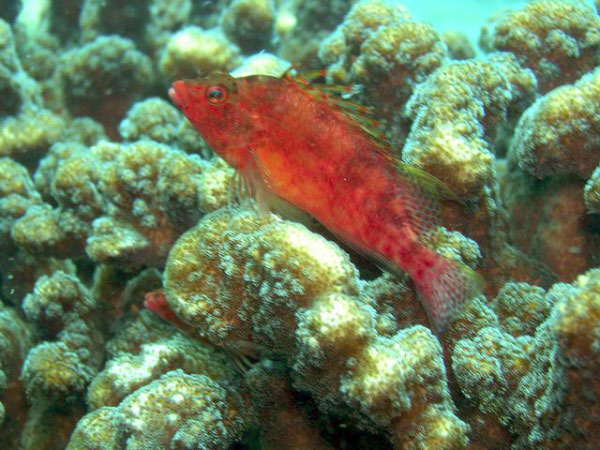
{"points": [[255, 184]]}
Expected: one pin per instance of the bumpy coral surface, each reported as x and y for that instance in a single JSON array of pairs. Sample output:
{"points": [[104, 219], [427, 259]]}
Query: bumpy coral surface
{"points": [[524, 360], [59, 370], [145, 303], [193, 50], [382, 48], [557, 39], [309, 290], [176, 411], [553, 153], [457, 114], [559, 134], [118, 202], [104, 78]]}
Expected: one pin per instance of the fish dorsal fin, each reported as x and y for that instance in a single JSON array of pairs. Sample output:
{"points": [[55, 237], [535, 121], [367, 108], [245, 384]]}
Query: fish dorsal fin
{"points": [[423, 191], [429, 184], [337, 96]]}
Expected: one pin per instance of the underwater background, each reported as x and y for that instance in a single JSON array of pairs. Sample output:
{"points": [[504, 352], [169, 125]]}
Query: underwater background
{"points": [[141, 307]]}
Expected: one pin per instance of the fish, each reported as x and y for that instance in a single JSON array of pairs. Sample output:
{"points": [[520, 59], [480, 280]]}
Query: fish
{"points": [[156, 302], [293, 141]]}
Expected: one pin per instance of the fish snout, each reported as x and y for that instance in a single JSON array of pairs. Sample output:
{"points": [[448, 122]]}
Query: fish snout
{"points": [[175, 98]]}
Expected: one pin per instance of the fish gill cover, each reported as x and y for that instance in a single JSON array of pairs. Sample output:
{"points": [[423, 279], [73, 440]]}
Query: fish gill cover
{"points": [[142, 306]]}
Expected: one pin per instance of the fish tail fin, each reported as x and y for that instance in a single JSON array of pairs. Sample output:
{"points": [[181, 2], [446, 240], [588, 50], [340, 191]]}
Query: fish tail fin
{"points": [[444, 288]]}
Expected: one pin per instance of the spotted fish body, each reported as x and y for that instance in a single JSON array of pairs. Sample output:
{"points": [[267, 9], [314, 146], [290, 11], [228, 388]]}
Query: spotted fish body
{"points": [[289, 141]]}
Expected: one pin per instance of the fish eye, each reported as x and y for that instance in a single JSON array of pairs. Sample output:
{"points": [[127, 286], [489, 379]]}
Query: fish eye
{"points": [[216, 95]]}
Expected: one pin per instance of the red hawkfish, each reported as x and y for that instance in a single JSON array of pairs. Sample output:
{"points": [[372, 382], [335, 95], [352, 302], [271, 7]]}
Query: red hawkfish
{"points": [[290, 140]]}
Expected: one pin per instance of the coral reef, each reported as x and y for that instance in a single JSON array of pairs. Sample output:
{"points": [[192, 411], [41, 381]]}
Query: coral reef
{"points": [[145, 303], [119, 203], [250, 23], [380, 47], [453, 138], [557, 39], [458, 45], [266, 286], [178, 410], [104, 78], [145, 348], [558, 135], [193, 50], [552, 154], [64, 309], [526, 360], [16, 338]]}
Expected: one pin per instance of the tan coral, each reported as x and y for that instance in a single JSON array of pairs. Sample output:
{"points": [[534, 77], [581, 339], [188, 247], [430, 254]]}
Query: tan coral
{"points": [[391, 384], [193, 49], [459, 46], [92, 80], [27, 135], [379, 46], [251, 267], [558, 39], [184, 411], [121, 203], [559, 133], [265, 286], [157, 120], [216, 185], [97, 429], [457, 114], [163, 349], [527, 361], [592, 192], [17, 194], [176, 411], [250, 23], [64, 311]]}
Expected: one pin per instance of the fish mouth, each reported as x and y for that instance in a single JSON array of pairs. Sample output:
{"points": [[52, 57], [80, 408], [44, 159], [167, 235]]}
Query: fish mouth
{"points": [[173, 96]]}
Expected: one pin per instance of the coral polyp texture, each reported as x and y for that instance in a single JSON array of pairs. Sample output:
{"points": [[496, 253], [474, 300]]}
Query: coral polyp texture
{"points": [[558, 39], [149, 300]]}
